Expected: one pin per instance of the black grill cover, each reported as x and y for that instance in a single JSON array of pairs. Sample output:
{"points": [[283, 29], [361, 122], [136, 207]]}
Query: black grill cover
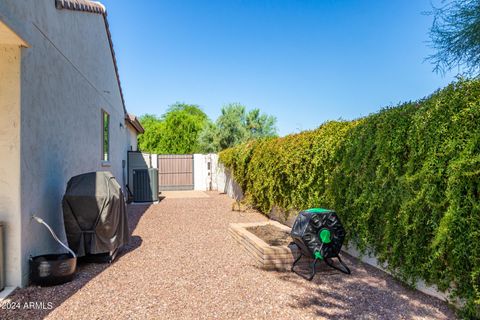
{"points": [[314, 224], [95, 214]]}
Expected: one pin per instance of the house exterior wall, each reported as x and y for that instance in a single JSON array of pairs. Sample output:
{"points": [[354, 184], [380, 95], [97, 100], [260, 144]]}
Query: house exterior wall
{"points": [[10, 159], [132, 143], [67, 79]]}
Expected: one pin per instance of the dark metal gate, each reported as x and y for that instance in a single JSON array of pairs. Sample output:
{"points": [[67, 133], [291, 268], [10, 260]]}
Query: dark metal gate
{"points": [[175, 172]]}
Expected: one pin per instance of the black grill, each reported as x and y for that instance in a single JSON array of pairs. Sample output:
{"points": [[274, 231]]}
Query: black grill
{"points": [[319, 234]]}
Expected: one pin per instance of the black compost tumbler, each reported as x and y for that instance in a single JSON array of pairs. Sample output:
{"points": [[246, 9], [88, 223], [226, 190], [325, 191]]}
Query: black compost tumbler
{"points": [[319, 234]]}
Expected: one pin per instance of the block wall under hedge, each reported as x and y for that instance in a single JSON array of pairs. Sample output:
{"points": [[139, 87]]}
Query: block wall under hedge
{"points": [[405, 181]]}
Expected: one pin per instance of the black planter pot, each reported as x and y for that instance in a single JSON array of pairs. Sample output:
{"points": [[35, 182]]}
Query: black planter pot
{"points": [[52, 269]]}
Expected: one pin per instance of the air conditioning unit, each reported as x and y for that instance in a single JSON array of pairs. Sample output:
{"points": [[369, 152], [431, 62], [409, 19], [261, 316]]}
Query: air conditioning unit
{"points": [[145, 185]]}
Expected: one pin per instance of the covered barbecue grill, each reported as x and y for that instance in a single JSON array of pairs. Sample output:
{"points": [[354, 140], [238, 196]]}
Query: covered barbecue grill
{"points": [[319, 234], [95, 216]]}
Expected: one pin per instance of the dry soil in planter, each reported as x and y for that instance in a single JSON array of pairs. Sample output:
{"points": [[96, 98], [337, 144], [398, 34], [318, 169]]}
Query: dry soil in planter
{"points": [[271, 235]]}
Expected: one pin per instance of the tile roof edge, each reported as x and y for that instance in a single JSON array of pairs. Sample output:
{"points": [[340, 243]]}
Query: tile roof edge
{"points": [[133, 120], [81, 5]]}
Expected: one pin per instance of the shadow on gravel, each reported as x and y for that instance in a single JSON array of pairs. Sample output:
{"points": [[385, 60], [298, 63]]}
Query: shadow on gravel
{"points": [[36, 302], [367, 293]]}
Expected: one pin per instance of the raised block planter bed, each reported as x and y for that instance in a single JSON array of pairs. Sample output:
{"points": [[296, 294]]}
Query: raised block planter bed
{"points": [[269, 257]]}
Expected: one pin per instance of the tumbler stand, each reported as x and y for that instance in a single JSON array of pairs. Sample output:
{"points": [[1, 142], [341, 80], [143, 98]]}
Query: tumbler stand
{"points": [[328, 261]]}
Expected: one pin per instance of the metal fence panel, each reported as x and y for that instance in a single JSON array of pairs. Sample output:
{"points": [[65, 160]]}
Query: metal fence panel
{"points": [[175, 172]]}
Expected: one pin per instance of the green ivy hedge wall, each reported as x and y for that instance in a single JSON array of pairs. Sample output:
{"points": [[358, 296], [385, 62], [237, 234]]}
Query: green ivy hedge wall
{"points": [[405, 181]]}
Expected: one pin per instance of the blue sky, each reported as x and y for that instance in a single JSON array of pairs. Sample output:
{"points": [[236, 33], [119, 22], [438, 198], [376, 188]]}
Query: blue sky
{"points": [[303, 61]]}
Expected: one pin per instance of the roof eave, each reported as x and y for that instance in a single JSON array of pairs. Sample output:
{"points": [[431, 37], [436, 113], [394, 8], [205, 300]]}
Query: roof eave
{"points": [[133, 121]]}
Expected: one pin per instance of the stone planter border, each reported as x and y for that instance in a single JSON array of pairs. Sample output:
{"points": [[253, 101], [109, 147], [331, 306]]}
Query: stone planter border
{"points": [[267, 257]]}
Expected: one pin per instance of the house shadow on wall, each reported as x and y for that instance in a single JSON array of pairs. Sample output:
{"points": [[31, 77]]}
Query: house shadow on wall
{"points": [[48, 299]]}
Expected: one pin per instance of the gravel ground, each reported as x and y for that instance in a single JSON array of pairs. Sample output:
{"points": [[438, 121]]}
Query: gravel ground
{"points": [[182, 264]]}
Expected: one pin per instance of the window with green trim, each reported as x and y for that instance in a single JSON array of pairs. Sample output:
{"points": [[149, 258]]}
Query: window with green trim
{"points": [[105, 136]]}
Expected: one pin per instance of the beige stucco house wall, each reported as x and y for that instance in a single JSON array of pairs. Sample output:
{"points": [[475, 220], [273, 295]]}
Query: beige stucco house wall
{"points": [[132, 143], [10, 57], [133, 129], [52, 97]]}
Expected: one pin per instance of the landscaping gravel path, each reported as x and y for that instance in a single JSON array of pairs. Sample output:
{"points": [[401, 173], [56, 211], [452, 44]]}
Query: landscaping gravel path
{"points": [[182, 264]]}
